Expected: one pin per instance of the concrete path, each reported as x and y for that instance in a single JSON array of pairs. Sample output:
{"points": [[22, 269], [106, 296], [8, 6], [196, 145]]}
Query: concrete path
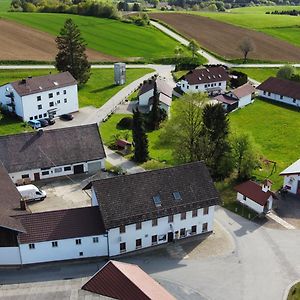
{"points": [[279, 221]]}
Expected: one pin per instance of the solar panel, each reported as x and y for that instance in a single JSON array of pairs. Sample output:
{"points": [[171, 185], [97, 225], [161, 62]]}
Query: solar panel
{"points": [[177, 196], [157, 200]]}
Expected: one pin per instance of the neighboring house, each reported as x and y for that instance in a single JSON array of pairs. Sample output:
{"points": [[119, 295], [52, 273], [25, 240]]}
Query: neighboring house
{"points": [[40, 97], [155, 207], [237, 98], [291, 180], [257, 197], [281, 90], [52, 153], [129, 282], [146, 94], [210, 79]]}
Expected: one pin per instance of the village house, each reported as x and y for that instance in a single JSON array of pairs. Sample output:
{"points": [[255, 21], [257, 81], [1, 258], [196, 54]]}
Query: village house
{"points": [[237, 98], [146, 93], [40, 97], [291, 178], [255, 196], [210, 79], [51, 153], [280, 90]]}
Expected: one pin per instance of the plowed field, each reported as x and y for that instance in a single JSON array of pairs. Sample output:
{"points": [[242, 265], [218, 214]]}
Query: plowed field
{"points": [[20, 42], [224, 39]]}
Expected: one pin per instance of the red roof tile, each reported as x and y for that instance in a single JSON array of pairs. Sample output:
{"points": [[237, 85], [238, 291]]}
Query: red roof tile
{"points": [[126, 282]]}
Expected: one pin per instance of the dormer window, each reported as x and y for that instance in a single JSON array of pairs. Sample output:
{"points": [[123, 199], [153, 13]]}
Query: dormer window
{"points": [[177, 196], [157, 200]]}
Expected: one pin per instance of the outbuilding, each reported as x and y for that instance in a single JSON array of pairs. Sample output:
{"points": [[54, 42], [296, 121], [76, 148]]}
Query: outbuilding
{"points": [[291, 178]]}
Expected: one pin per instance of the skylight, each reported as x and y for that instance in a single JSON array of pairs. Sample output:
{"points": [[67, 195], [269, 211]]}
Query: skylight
{"points": [[55, 83], [177, 196], [157, 200]]}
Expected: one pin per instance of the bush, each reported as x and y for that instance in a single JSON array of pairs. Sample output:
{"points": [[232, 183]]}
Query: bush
{"points": [[241, 79], [125, 123]]}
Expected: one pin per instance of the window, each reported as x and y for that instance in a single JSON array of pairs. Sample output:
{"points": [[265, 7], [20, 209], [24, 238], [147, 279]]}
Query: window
{"points": [[57, 170], [204, 227], [196, 87], [205, 210], [154, 240], [67, 168], [50, 95], [40, 106], [187, 86], [45, 173], [194, 213], [80, 253], [58, 101], [31, 246], [95, 239], [65, 92], [183, 216], [264, 92], [138, 243], [183, 85], [244, 197], [220, 83], [294, 100], [78, 241], [170, 219], [65, 100], [162, 237], [205, 85], [40, 116], [177, 196], [269, 94], [157, 201], [182, 232], [54, 244], [122, 247], [45, 115], [38, 98], [194, 229], [57, 93], [35, 117], [51, 104], [25, 176], [31, 118], [138, 226], [122, 229], [154, 222], [281, 97]]}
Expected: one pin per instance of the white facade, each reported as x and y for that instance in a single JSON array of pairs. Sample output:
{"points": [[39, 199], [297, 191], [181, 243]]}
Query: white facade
{"points": [[202, 87], [279, 98], [10, 256], [44, 173], [242, 101], [254, 205], [37, 106], [144, 98], [291, 183]]}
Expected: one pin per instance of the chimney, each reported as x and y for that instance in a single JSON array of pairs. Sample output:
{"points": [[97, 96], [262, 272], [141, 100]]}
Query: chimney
{"points": [[266, 185], [22, 204]]}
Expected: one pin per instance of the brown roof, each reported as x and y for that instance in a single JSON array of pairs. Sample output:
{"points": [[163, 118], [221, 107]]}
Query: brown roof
{"points": [[129, 199], [32, 85], [207, 75], [123, 143], [61, 224], [125, 281], [56, 147], [281, 87], [253, 191], [243, 90], [225, 99], [9, 202]]}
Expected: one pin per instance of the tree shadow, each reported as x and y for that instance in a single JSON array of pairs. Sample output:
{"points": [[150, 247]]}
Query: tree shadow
{"points": [[105, 88]]}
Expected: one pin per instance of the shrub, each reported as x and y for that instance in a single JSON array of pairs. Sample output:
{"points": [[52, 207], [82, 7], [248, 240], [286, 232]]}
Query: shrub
{"points": [[125, 123], [241, 78]]}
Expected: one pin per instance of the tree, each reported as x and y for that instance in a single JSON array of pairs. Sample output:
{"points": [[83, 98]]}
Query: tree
{"points": [[246, 46], [140, 139], [286, 72], [71, 54], [193, 47], [136, 7], [155, 111], [178, 51], [245, 155]]}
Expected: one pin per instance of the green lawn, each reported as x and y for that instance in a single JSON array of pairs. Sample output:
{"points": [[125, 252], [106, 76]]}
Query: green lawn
{"points": [[108, 36], [4, 5], [10, 125], [259, 74], [294, 293]]}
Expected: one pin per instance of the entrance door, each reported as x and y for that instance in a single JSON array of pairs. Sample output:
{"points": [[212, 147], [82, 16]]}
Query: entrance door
{"points": [[170, 237], [78, 169], [36, 176]]}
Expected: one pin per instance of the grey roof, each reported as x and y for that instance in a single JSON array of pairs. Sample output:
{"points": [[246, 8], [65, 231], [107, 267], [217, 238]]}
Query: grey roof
{"points": [[129, 199], [292, 169], [162, 87], [33, 85], [42, 149], [243, 90]]}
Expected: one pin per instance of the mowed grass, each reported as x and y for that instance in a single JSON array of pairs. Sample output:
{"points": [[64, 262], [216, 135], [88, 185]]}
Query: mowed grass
{"points": [[108, 36], [274, 129], [294, 293], [4, 5]]}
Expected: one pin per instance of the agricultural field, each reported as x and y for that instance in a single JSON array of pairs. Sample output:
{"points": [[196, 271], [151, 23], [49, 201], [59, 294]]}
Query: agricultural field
{"points": [[223, 39], [111, 38]]}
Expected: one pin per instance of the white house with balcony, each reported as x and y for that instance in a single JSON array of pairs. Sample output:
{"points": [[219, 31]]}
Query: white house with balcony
{"points": [[280, 90], [291, 178], [35, 98], [210, 79]]}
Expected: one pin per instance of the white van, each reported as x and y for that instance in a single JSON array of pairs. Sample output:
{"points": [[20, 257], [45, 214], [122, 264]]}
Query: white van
{"points": [[30, 192]]}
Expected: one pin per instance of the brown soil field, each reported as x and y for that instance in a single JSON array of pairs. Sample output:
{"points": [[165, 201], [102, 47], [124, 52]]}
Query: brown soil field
{"points": [[224, 39], [19, 42]]}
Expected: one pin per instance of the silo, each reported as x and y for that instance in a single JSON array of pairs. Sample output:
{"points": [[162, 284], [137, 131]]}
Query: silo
{"points": [[120, 73]]}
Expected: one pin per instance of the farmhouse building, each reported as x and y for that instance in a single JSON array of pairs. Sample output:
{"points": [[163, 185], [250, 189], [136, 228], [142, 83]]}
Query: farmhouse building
{"points": [[257, 197], [51, 153], [146, 93], [129, 282], [40, 97], [291, 178], [237, 98], [210, 79], [281, 90]]}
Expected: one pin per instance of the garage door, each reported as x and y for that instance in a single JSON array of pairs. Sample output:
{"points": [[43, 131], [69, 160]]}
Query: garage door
{"points": [[94, 167], [78, 169]]}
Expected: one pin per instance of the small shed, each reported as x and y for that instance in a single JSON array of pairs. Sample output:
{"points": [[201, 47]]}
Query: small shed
{"points": [[124, 146]]}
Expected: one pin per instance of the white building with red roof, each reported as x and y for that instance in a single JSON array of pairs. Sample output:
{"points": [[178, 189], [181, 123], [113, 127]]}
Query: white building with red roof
{"points": [[291, 178], [255, 196]]}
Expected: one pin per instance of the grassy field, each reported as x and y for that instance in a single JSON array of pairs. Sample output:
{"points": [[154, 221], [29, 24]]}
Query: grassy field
{"points": [[108, 36], [259, 74], [294, 293], [4, 5]]}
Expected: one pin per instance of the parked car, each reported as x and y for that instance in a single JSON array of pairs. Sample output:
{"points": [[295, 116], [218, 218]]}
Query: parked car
{"points": [[30, 192], [35, 124], [50, 121], [44, 123], [67, 117]]}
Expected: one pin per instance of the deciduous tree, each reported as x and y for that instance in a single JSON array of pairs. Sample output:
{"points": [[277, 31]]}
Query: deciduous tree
{"points": [[193, 47], [246, 46]]}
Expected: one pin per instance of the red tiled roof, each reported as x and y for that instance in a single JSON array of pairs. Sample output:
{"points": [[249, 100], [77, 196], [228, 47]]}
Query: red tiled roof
{"points": [[126, 282], [253, 191]]}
